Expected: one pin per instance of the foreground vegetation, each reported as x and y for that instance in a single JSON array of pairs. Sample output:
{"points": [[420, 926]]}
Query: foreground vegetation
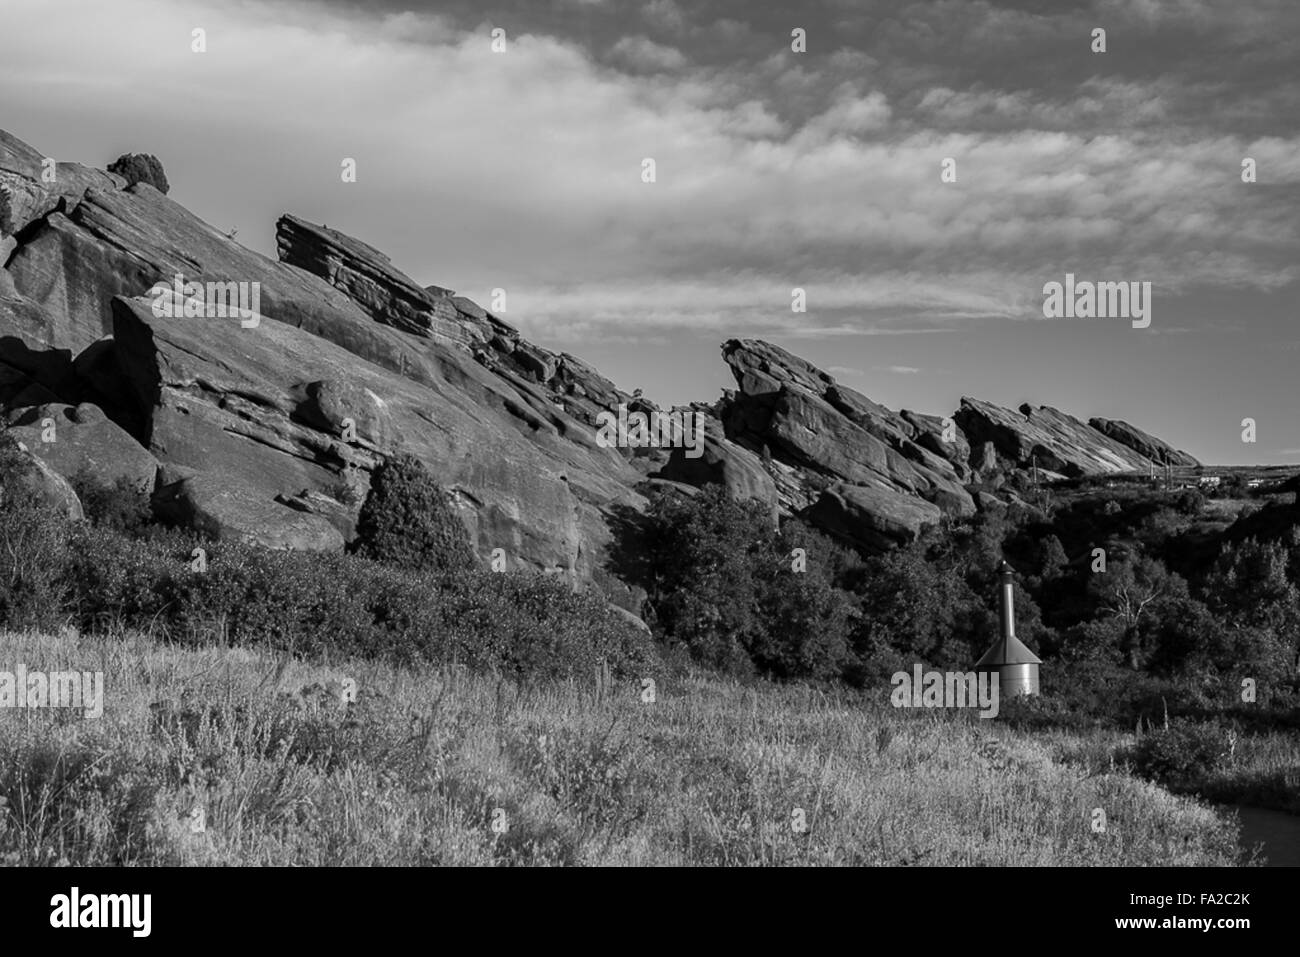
{"points": [[505, 718], [441, 766]]}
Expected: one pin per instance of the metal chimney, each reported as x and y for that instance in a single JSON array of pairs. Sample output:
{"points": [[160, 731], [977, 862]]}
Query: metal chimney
{"points": [[1015, 665]]}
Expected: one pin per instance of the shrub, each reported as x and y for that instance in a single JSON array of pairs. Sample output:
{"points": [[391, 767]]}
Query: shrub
{"points": [[33, 548], [119, 505], [1180, 756], [140, 168], [406, 521], [329, 606]]}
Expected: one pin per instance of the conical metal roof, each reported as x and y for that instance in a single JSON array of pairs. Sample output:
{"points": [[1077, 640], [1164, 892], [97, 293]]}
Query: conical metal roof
{"points": [[1008, 650]]}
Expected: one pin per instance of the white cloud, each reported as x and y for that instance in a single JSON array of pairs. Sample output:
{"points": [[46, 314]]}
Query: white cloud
{"points": [[522, 170]]}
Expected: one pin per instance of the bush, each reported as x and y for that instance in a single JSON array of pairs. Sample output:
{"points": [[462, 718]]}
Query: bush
{"points": [[140, 168], [1181, 756], [120, 506], [331, 606], [406, 521], [33, 548]]}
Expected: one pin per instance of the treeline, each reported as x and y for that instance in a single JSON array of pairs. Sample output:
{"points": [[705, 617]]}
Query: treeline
{"points": [[1098, 598]]}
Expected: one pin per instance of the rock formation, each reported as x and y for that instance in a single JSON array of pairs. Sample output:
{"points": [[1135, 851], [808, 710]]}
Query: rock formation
{"points": [[269, 428]]}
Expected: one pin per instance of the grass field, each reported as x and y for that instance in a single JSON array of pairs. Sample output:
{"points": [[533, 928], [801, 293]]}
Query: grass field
{"points": [[438, 767]]}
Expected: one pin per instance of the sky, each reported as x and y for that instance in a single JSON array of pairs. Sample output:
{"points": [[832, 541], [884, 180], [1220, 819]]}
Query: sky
{"points": [[774, 169]]}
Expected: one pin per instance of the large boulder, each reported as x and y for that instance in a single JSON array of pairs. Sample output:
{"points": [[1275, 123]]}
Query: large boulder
{"points": [[872, 519], [70, 439], [1146, 445], [721, 462], [51, 489], [229, 508]]}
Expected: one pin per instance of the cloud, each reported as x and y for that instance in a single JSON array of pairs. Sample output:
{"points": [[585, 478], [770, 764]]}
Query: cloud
{"points": [[644, 55], [522, 170]]}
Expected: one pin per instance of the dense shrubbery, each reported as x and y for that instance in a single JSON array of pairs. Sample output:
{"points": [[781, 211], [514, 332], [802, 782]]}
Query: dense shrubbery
{"points": [[99, 577], [119, 505], [1180, 755], [33, 536], [723, 580], [727, 586]]}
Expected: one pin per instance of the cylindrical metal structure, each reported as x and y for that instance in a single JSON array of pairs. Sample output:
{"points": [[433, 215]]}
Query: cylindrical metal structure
{"points": [[1015, 665], [1008, 615], [1017, 679]]}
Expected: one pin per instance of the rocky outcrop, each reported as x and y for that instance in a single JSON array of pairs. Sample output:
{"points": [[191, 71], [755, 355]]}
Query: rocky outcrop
{"points": [[39, 480], [33, 185], [269, 430], [368, 278], [231, 508], [827, 432], [268, 406], [724, 463], [72, 439], [872, 518], [1148, 446], [1046, 438]]}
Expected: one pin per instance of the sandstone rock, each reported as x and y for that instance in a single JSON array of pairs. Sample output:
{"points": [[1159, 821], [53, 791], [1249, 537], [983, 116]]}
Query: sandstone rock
{"points": [[871, 518], [50, 488], [25, 196], [819, 427], [122, 243], [249, 404], [339, 514], [1148, 446], [1054, 440], [82, 437], [740, 471], [367, 276], [929, 434], [226, 508]]}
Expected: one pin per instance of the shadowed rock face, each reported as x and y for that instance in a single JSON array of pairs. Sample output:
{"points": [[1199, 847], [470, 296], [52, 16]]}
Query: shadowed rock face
{"points": [[270, 431]]}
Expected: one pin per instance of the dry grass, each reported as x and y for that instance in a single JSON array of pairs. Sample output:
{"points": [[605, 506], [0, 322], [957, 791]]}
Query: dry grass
{"points": [[419, 769]]}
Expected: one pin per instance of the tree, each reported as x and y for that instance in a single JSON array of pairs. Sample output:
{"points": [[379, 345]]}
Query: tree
{"points": [[1130, 591], [723, 581], [407, 521], [140, 168]]}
